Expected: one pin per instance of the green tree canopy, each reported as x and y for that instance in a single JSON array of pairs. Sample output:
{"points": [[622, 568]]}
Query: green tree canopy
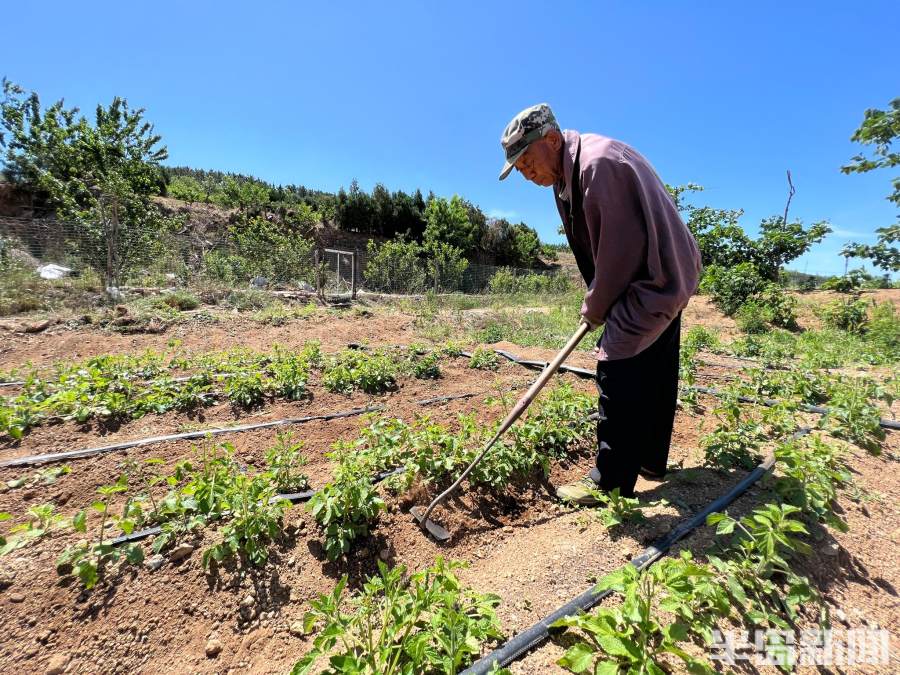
{"points": [[99, 175], [879, 128]]}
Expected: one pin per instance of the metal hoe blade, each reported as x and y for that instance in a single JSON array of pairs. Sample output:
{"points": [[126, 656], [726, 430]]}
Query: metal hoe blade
{"points": [[439, 532]]}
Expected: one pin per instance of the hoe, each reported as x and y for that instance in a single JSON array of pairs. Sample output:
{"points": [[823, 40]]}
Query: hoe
{"points": [[439, 532]]}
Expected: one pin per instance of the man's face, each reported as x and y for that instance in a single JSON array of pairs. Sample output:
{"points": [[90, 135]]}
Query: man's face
{"points": [[541, 163]]}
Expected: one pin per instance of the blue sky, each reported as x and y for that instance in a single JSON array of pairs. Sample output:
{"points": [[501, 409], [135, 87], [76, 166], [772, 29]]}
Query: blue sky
{"points": [[415, 94]]}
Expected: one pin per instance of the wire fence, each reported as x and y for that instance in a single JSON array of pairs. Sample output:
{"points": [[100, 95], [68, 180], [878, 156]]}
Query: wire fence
{"points": [[167, 259]]}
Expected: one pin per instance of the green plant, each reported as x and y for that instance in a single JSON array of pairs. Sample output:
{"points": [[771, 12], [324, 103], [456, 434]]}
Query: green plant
{"points": [[428, 367], [40, 522], [810, 473], [732, 287], [735, 441], [346, 507], [245, 390], [290, 373], [633, 637], [780, 307], [618, 510], [484, 359], [284, 462], [250, 299], [427, 624], [752, 318], [255, 516], [849, 316], [755, 564], [852, 416], [352, 369], [89, 560], [179, 299], [197, 494], [46, 476], [560, 419]]}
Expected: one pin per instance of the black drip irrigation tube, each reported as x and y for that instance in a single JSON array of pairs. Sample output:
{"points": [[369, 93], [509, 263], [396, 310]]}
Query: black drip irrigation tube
{"points": [[32, 460], [530, 638], [306, 495], [769, 402], [585, 372], [293, 497]]}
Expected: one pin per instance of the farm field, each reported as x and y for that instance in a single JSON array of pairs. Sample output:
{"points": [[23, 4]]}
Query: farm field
{"points": [[183, 601]]}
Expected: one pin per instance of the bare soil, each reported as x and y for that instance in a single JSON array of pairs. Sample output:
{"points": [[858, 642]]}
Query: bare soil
{"points": [[522, 544]]}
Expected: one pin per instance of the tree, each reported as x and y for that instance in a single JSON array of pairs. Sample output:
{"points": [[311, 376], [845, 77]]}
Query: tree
{"points": [[187, 189], [879, 128], [780, 243], [99, 176], [395, 266], [448, 222], [446, 266], [723, 242], [249, 196]]}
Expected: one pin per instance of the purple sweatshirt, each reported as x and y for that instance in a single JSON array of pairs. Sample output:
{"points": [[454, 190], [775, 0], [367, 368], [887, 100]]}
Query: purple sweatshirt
{"points": [[637, 256]]}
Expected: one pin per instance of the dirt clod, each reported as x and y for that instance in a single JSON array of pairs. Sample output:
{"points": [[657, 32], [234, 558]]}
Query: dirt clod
{"points": [[181, 552], [213, 648], [57, 664], [154, 562]]}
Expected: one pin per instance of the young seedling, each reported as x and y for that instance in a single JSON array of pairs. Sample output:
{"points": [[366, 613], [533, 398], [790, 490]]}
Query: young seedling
{"points": [[41, 521], [285, 460], [89, 560]]}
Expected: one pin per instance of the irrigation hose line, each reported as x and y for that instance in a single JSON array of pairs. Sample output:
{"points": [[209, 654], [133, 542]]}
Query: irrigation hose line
{"points": [[581, 372], [32, 460], [293, 497], [140, 442], [530, 638], [585, 372]]}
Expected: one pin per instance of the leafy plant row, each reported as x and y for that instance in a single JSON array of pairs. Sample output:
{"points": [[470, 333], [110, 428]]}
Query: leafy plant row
{"points": [[748, 578], [115, 388], [210, 487], [429, 453]]}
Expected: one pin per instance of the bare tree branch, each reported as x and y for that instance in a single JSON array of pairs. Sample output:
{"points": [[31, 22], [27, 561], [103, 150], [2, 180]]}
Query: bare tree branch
{"points": [[791, 192]]}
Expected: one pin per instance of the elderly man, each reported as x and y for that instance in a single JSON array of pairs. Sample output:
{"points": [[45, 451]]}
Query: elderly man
{"points": [[641, 265]]}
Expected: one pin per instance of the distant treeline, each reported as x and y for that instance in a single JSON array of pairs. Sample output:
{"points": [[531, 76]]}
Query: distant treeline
{"points": [[381, 213]]}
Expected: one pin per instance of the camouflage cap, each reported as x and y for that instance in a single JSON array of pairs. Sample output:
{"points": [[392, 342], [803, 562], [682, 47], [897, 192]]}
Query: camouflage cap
{"points": [[525, 128]]}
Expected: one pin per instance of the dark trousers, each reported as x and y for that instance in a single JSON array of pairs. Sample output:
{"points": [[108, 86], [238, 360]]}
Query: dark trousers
{"points": [[637, 411]]}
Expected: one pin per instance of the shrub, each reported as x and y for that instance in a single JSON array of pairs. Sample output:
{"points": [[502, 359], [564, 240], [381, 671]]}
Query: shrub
{"points": [[883, 330], [249, 299], [180, 299], [506, 281], [223, 267], [395, 266], [732, 287], [752, 318], [849, 316], [484, 359], [779, 306]]}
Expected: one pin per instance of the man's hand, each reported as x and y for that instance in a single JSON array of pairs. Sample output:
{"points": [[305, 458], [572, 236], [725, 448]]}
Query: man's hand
{"points": [[593, 323]]}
